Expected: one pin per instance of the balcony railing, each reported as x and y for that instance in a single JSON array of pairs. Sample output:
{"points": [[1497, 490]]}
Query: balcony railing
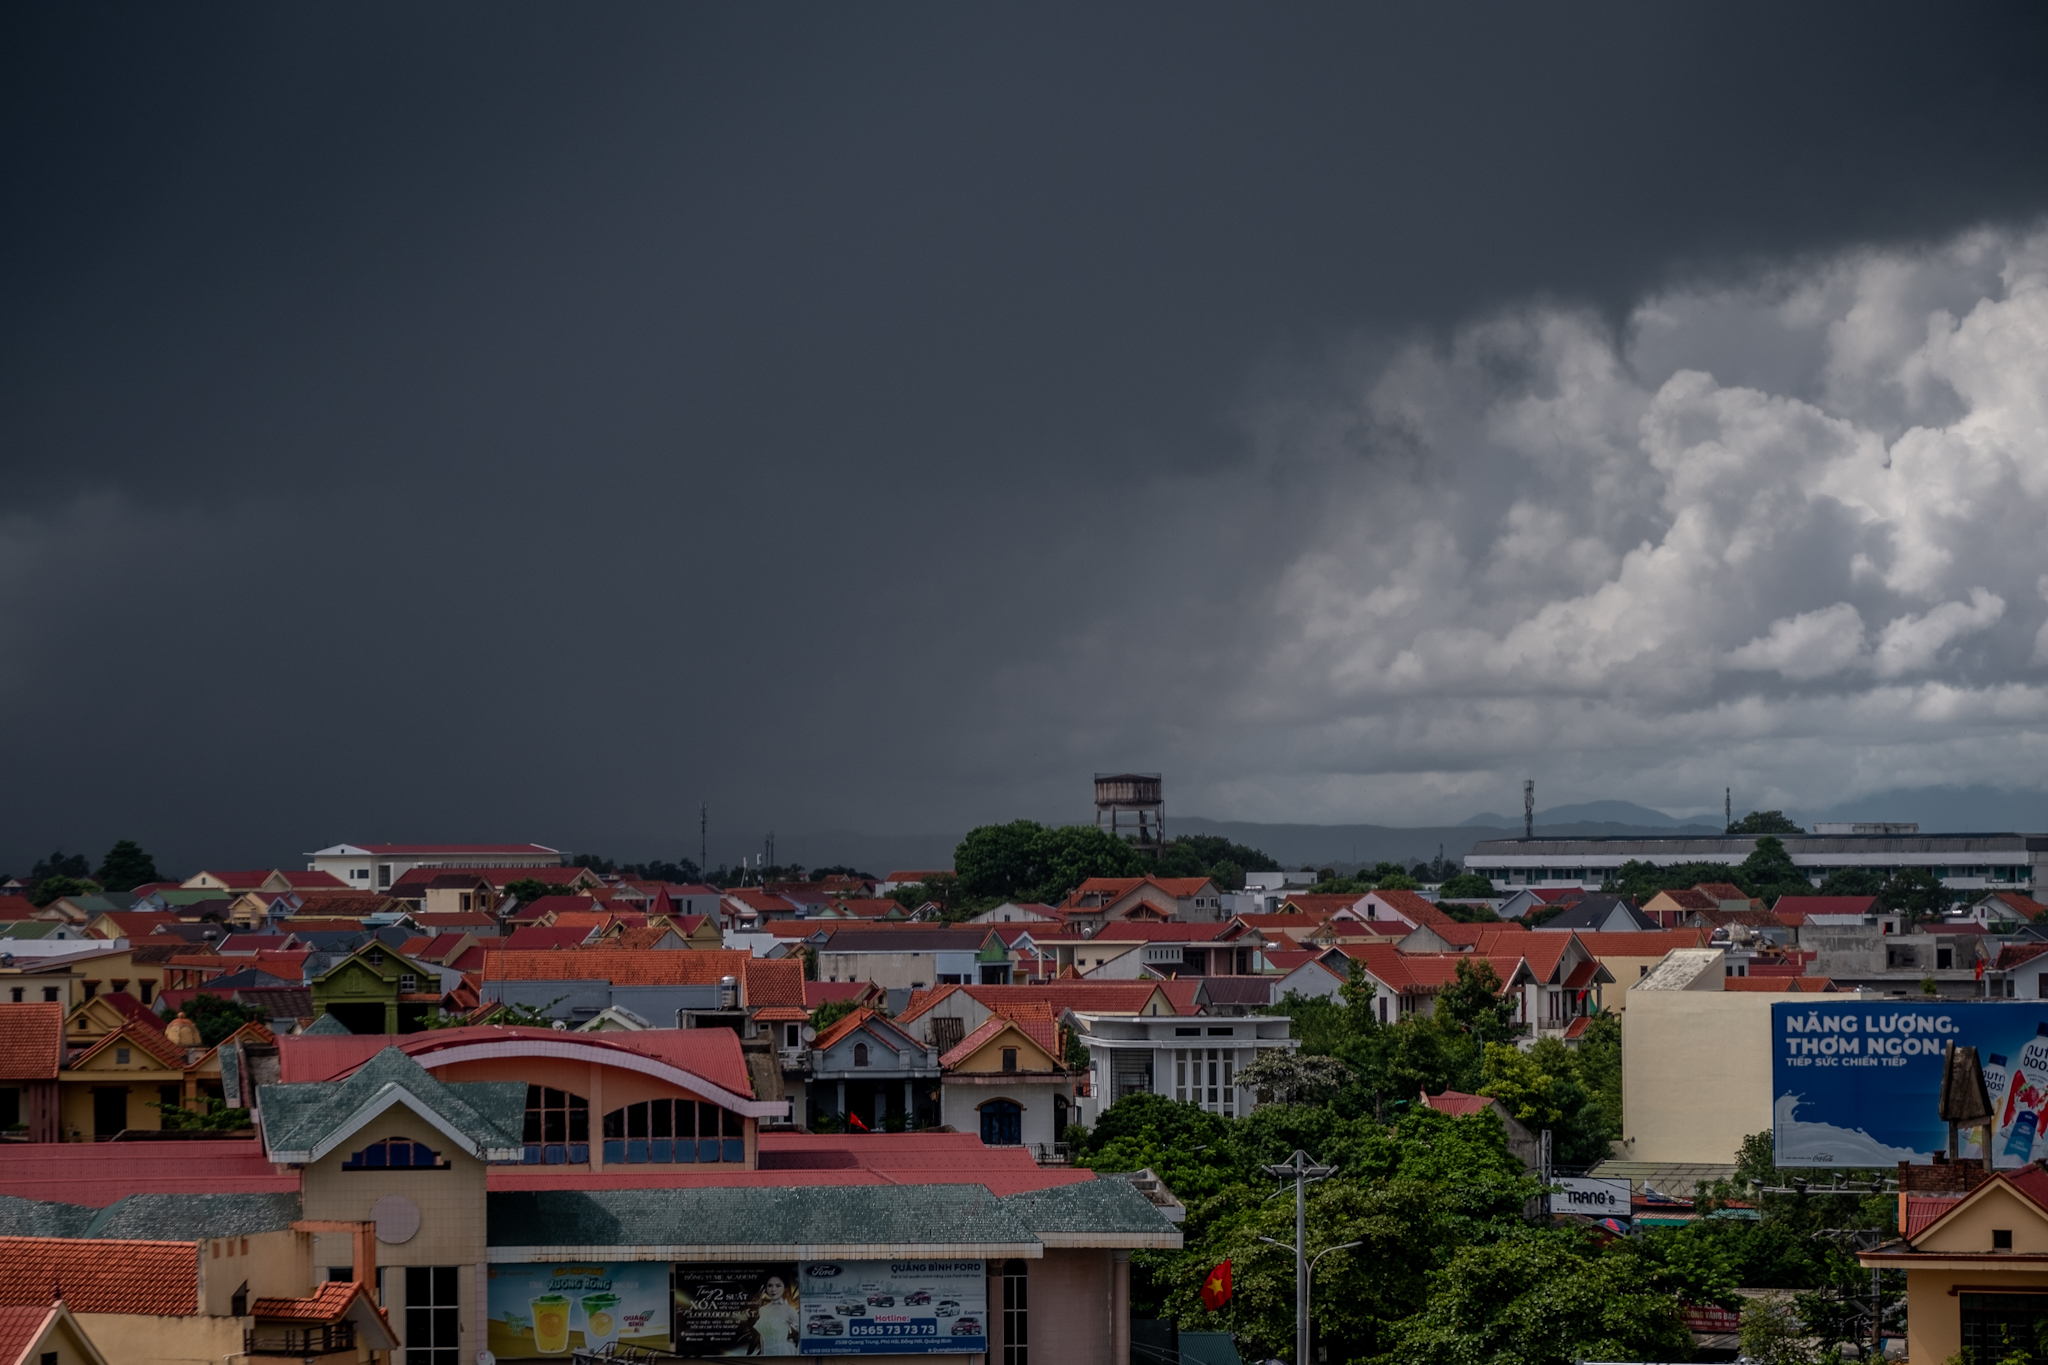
{"points": [[266, 1340], [1050, 1153]]}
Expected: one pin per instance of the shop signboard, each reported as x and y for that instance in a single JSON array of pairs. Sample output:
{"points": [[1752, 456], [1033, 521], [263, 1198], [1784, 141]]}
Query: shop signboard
{"points": [[1857, 1083], [1593, 1198], [543, 1309], [894, 1307], [726, 1308]]}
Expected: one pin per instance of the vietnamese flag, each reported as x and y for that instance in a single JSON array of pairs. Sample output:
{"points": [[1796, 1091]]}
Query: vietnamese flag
{"points": [[1216, 1289], [854, 1119]]}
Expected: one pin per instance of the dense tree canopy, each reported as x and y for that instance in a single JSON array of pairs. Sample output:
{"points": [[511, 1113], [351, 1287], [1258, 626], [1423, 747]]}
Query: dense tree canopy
{"points": [[1765, 822], [1465, 886], [1027, 861], [126, 867]]}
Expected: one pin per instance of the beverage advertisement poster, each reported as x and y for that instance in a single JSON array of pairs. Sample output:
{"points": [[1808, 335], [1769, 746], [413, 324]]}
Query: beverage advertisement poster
{"points": [[1858, 1083], [894, 1307], [541, 1310], [736, 1309]]}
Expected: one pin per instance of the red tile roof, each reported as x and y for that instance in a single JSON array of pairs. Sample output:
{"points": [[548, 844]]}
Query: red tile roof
{"points": [[2011, 955], [918, 874], [1924, 1209], [1457, 1103], [773, 982], [844, 1025], [2026, 907], [16, 908], [82, 1173], [620, 966], [134, 924], [542, 906], [31, 1041], [818, 993], [1825, 905], [150, 1038], [542, 937], [1413, 908], [713, 1053], [1691, 898], [1644, 943], [1806, 984], [20, 1328], [1118, 931], [160, 1279], [1040, 1029], [1725, 891], [523, 850], [329, 1303]]}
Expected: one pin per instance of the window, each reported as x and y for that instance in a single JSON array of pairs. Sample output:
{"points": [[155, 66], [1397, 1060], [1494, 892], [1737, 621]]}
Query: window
{"points": [[1009, 1059], [1222, 1033], [92, 988], [662, 1132], [1994, 1323], [238, 1304], [148, 990], [860, 1054], [2001, 1239], [395, 1153], [1944, 959], [49, 995], [557, 1127], [383, 874], [408, 984], [121, 1056], [792, 1035], [1016, 1308], [1002, 1123], [433, 1316], [375, 957], [16, 995]]}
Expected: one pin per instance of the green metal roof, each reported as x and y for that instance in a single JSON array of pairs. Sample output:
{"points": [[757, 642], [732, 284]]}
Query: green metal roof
{"points": [[303, 1122], [847, 1221], [1096, 1213], [189, 1217]]}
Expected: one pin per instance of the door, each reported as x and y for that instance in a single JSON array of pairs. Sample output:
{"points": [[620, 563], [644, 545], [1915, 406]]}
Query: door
{"points": [[433, 1316], [1002, 1123], [109, 1110]]}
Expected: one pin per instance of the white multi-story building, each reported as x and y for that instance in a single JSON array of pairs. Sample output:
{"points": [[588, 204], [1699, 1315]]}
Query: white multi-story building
{"points": [[1964, 862], [374, 867], [1190, 1058]]}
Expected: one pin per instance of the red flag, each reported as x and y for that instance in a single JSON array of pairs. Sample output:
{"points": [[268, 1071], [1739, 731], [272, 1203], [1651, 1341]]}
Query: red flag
{"points": [[1980, 969], [854, 1119], [1216, 1289]]}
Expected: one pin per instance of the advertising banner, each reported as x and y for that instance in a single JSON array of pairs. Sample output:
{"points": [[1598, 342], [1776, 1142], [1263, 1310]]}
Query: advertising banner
{"points": [[894, 1307], [733, 1309], [1593, 1198], [541, 1310], [1858, 1083]]}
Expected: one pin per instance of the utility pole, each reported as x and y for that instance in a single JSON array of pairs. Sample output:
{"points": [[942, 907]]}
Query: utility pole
{"points": [[1529, 808], [1727, 808], [1303, 1173]]}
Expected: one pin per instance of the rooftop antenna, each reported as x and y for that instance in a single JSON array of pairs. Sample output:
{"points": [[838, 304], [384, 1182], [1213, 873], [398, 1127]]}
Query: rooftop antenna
{"points": [[1529, 808], [1728, 807]]}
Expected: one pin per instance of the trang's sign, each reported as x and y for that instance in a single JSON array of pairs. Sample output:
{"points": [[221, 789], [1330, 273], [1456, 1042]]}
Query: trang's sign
{"points": [[1594, 1198]]}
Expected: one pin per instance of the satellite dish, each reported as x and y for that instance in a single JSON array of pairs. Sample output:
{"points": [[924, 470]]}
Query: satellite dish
{"points": [[809, 1035]]}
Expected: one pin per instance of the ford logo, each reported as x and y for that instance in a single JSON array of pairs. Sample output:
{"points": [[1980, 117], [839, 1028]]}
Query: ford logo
{"points": [[821, 1272]]}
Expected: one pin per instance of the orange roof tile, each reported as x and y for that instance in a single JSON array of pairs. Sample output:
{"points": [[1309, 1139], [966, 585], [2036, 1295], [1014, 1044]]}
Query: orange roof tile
{"points": [[774, 981], [97, 1276], [329, 1303], [21, 1327], [31, 1041], [844, 1026]]}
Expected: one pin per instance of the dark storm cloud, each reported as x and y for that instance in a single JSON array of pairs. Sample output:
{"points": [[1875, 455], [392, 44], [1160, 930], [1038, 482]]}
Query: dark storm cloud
{"points": [[531, 422]]}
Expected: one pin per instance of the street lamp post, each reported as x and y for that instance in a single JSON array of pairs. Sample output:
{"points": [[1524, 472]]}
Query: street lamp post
{"points": [[1306, 1286], [1299, 1167]]}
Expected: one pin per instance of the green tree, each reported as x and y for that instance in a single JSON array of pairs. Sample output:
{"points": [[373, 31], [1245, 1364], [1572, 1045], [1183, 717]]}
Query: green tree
{"points": [[1772, 1334], [528, 890], [1916, 893], [1769, 871], [1640, 880], [1465, 886], [1283, 1077], [60, 864], [217, 1018], [1852, 881], [1214, 857], [1470, 914], [50, 888], [1541, 1299], [1025, 860], [1474, 1003], [214, 1117], [1542, 1088], [1396, 881], [1765, 822], [126, 867]]}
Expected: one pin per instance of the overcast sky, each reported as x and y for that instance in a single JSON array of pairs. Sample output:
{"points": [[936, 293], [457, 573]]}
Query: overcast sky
{"points": [[442, 422]]}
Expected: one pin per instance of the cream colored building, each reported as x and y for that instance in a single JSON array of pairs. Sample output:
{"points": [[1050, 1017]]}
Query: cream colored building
{"points": [[1695, 1062]]}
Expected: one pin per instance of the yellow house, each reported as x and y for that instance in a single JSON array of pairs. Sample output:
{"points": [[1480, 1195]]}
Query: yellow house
{"points": [[1006, 1081], [1976, 1264]]}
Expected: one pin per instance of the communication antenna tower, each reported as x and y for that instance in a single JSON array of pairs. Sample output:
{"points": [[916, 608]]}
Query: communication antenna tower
{"points": [[1529, 808]]}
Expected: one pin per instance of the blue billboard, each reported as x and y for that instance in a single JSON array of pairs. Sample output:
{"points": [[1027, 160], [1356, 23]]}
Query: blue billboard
{"points": [[1858, 1082]]}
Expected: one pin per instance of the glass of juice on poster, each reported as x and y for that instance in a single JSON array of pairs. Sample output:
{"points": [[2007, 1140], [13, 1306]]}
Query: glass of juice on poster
{"points": [[551, 1324], [600, 1319]]}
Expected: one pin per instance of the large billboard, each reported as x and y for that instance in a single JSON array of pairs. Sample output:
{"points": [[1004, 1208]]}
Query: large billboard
{"points": [[894, 1307], [1857, 1083], [735, 1309], [546, 1309]]}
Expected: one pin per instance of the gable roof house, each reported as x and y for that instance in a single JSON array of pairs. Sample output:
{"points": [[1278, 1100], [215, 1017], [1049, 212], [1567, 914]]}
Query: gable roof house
{"points": [[914, 957], [1099, 900], [869, 1073], [1008, 1080], [1600, 914], [377, 989], [1975, 1255]]}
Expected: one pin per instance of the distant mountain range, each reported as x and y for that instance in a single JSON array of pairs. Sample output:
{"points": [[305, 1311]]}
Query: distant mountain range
{"points": [[1344, 847]]}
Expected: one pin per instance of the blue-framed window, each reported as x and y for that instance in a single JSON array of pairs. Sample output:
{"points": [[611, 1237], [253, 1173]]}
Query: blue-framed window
{"points": [[395, 1153], [557, 1127], [667, 1132]]}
